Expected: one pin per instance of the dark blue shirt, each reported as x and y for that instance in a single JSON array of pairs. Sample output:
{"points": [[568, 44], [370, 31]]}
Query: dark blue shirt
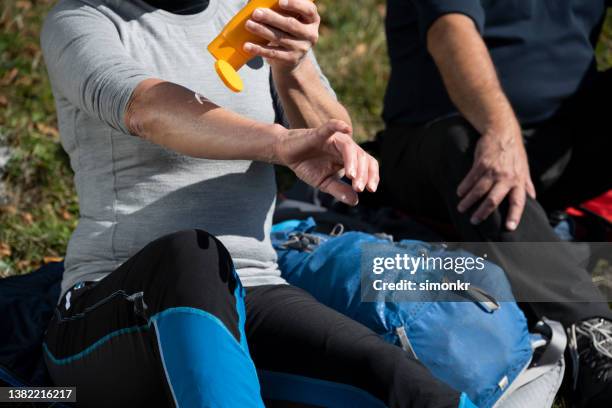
{"points": [[543, 51]]}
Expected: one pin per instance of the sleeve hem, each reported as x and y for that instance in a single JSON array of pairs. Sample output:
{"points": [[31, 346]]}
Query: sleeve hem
{"points": [[126, 94], [431, 13]]}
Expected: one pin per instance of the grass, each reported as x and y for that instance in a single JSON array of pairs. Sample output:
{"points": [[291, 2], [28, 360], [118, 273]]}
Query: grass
{"points": [[353, 53], [42, 209]]}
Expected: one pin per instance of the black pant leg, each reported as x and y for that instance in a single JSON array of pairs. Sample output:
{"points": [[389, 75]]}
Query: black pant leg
{"points": [[102, 343], [582, 128], [289, 331], [421, 169]]}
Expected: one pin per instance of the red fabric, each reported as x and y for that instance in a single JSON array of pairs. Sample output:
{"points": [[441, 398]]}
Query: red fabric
{"points": [[601, 206]]}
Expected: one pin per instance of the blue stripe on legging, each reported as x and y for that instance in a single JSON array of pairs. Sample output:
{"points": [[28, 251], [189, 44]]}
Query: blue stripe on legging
{"points": [[465, 402], [205, 365], [306, 390], [90, 349], [239, 294]]}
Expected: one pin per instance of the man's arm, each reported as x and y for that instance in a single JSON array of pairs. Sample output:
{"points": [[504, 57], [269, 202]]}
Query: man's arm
{"points": [[292, 33], [500, 166]]}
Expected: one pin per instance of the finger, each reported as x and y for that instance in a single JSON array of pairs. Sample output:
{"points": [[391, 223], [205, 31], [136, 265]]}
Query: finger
{"points": [[336, 125], [359, 182], [342, 144], [276, 36], [490, 203], [288, 24], [469, 180], [340, 190], [271, 52], [517, 206], [482, 187], [373, 174], [530, 188], [306, 9], [350, 158]]}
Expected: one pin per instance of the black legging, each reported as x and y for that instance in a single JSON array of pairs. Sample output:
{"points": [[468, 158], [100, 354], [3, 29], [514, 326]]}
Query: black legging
{"points": [[93, 344]]}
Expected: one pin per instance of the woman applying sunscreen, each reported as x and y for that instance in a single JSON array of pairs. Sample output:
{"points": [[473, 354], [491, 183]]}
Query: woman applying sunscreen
{"points": [[171, 294]]}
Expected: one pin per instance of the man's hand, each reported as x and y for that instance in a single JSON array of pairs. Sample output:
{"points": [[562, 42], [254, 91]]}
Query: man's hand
{"points": [[321, 156], [500, 166], [290, 33], [500, 169]]}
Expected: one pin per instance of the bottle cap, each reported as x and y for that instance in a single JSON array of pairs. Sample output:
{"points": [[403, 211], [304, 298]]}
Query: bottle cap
{"points": [[229, 76]]}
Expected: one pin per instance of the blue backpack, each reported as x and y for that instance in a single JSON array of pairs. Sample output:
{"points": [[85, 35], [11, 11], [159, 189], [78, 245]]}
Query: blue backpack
{"points": [[479, 347]]}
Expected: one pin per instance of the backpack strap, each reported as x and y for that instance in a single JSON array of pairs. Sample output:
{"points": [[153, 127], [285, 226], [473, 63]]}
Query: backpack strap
{"points": [[551, 355]]}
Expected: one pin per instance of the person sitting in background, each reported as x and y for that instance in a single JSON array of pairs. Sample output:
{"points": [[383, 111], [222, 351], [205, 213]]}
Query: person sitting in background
{"points": [[176, 189], [488, 104]]}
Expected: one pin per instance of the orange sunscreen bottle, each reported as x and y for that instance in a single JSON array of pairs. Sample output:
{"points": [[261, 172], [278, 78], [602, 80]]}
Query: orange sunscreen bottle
{"points": [[227, 48]]}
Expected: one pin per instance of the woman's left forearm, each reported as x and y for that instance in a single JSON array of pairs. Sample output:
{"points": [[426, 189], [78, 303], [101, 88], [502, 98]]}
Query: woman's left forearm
{"points": [[306, 100], [291, 31]]}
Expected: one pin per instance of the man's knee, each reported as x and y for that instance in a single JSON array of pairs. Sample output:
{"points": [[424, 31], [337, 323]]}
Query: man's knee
{"points": [[456, 139], [448, 148]]}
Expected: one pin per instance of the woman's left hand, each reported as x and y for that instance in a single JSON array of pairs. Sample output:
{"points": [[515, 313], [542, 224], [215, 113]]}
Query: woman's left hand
{"points": [[291, 33]]}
